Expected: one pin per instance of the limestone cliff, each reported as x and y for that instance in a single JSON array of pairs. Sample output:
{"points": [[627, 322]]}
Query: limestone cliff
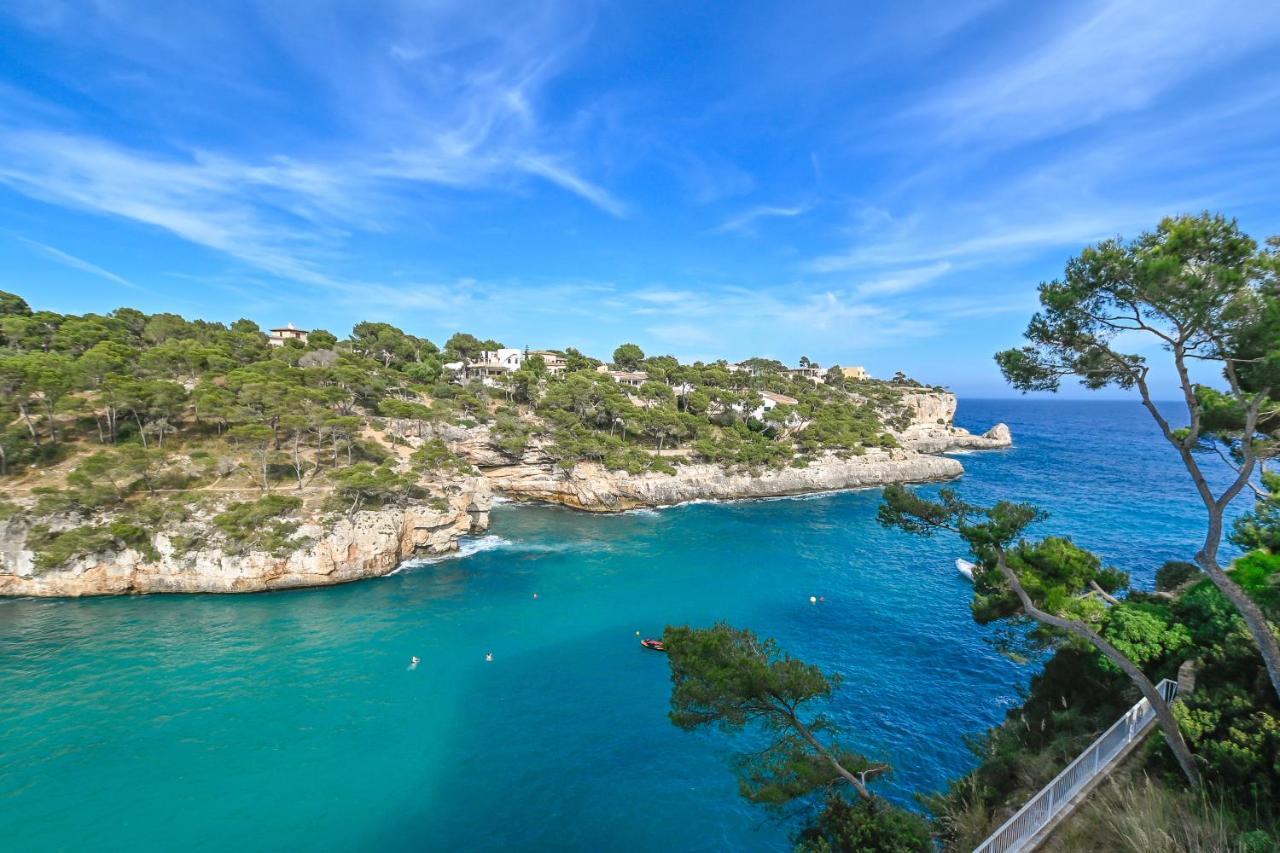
{"points": [[369, 544], [932, 426], [534, 476], [589, 486]]}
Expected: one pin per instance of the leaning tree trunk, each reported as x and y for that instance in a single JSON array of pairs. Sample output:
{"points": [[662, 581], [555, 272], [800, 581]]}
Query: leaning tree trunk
{"points": [[1164, 715], [851, 778], [1207, 557]]}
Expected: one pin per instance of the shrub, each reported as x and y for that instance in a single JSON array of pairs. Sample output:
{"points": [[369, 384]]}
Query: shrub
{"points": [[865, 826], [435, 455], [1174, 574], [57, 549], [258, 526]]}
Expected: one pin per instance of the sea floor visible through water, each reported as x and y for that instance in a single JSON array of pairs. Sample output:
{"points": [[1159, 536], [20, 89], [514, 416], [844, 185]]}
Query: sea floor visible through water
{"points": [[293, 720]]}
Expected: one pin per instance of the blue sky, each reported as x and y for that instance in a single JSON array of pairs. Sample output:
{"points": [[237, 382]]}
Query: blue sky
{"points": [[879, 184]]}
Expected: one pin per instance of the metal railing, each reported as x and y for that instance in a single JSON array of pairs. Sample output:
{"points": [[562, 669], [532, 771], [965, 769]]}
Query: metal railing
{"points": [[1055, 798]]}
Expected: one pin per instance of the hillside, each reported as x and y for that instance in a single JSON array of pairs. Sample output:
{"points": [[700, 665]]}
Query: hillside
{"points": [[152, 453]]}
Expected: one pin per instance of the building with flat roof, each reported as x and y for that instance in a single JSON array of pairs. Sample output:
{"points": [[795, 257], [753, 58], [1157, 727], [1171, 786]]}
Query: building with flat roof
{"points": [[288, 333]]}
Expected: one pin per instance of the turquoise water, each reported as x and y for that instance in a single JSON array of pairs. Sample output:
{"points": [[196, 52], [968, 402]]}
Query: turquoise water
{"points": [[289, 721]]}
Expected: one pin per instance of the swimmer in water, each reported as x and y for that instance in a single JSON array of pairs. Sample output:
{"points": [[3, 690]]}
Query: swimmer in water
{"points": [[414, 661], [489, 657]]}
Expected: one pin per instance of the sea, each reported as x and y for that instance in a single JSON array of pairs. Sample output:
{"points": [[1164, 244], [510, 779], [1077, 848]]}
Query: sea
{"points": [[295, 721]]}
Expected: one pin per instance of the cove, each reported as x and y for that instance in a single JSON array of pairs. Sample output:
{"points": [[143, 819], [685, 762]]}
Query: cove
{"points": [[288, 720]]}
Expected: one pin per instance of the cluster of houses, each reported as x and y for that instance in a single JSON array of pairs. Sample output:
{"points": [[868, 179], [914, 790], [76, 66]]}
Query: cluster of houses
{"points": [[490, 365]]}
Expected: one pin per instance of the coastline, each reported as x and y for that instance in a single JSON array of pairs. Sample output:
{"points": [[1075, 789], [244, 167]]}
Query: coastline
{"points": [[377, 542]]}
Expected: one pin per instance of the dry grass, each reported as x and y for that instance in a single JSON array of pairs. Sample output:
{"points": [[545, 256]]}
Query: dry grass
{"points": [[1132, 814]]}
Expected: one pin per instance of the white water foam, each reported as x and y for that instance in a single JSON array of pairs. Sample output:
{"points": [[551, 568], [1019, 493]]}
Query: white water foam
{"points": [[492, 542], [466, 547]]}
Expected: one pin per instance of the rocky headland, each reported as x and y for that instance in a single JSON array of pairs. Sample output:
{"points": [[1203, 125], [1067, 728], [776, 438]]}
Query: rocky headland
{"points": [[535, 476], [336, 548]]}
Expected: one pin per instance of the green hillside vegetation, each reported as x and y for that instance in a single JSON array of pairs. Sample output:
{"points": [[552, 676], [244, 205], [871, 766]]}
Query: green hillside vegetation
{"points": [[128, 422]]}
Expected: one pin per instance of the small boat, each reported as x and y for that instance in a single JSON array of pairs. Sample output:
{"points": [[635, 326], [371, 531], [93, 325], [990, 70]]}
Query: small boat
{"points": [[965, 568], [656, 645]]}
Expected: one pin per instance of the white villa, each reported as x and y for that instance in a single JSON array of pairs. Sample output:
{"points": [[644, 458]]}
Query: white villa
{"points": [[630, 378], [812, 372], [855, 373], [768, 402], [555, 362], [771, 401], [288, 333], [750, 370], [492, 364]]}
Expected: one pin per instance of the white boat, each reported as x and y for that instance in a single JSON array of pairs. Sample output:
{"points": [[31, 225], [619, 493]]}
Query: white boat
{"points": [[965, 568]]}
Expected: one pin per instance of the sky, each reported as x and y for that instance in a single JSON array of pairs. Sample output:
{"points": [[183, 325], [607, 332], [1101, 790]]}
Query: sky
{"points": [[882, 184]]}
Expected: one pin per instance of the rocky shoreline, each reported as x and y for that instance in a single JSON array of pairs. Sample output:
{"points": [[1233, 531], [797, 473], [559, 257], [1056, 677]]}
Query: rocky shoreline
{"points": [[374, 543], [367, 545], [590, 487]]}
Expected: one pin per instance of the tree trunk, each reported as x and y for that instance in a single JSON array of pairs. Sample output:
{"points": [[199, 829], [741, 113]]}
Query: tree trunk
{"points": [[1252, 614], [1164, 716], [53, 423], [26, 419], [1207, 558], [297, 460], [849, 777], [141, 432]]}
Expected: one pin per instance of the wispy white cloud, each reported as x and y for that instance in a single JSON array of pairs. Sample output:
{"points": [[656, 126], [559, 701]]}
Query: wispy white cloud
{"points": [[991, 240], [1096, 62], [745, 220], [904, 280], [563, 177], [246, 213], [447, 96], [69, 260]]}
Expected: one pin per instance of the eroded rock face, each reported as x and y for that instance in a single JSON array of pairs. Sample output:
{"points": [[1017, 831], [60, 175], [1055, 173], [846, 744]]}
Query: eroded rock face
{"points": [[932, 429], [369, 544], [589, 486]]}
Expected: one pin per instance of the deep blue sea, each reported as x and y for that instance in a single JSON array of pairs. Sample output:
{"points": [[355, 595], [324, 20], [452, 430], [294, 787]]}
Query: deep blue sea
{"points": [[291, 721]]}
